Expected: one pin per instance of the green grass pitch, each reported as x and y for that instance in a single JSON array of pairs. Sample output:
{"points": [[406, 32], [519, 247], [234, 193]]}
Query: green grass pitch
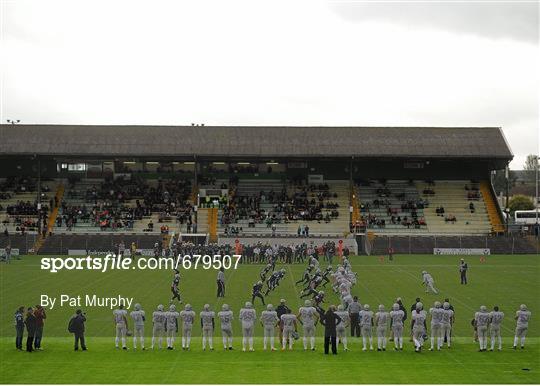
{"points": [[506, 281]]}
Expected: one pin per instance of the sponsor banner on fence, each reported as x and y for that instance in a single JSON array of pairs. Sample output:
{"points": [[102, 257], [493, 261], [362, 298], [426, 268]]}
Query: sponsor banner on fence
{"points": [[14, 251], [461, 251], [92, 252]]}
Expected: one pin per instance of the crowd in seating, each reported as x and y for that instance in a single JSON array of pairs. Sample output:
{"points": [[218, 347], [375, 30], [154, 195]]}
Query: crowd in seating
{"points": [[405, 213], [102, 215], [24, 215], [473, 194], [307, 203], [21, 185], [108, 208]]}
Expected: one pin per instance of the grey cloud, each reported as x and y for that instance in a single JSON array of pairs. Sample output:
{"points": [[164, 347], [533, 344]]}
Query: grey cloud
{"points": [[513, 20]]}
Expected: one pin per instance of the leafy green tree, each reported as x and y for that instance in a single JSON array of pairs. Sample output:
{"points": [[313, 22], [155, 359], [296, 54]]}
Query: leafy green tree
{"points": [[531, 163], [520, 202]]}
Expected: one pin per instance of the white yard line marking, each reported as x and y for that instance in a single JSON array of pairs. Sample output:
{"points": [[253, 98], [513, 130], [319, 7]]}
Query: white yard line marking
{"points": [[455, 298]]}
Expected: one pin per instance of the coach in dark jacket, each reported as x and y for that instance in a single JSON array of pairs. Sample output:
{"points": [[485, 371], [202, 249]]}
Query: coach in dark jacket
{"points": [[330, 320], [76, 326], [30, 323]]}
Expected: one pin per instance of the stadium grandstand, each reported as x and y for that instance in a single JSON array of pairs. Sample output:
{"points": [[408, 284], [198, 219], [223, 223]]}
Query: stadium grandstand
{"points": [[65, 187]]}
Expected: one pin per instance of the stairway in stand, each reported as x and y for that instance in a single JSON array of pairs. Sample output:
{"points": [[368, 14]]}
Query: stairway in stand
{"points": [[491, 207], [52, 219], [213, 224]]}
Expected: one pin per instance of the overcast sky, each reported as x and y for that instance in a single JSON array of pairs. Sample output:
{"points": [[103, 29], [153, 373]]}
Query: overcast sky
{"points": [[274, 63]]}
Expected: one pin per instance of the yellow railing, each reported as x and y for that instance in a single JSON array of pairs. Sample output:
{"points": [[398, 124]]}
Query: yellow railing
{"points": [[355, 204], [491, 207], [53, 214], [213, 224]]}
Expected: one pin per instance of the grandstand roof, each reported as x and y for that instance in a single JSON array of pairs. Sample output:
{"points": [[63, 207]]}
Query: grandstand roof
{"points": [[254, 141]]}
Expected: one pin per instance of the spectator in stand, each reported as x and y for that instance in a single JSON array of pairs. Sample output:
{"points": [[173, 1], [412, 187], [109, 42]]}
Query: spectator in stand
{"points": [[450, 218]]}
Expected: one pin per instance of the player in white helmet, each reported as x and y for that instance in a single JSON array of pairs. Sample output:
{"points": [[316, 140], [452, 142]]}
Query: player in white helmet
{"points": [[207, 325], [447, 321], [418, 320], [482, 322], [226, 317], [341, 328], [269, 321], [158, 328], [428, 281], [436, 325], [171, 325], [366, 325], [121, 324], [248, 316], [188, 318], [381, 321], [308, 316], [288, 319], [522, 324], [495, 320], [138, 317], [397, 315]]}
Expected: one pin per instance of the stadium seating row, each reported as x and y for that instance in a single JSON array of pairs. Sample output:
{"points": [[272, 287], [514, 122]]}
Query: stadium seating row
{"points": [[261, 207]]}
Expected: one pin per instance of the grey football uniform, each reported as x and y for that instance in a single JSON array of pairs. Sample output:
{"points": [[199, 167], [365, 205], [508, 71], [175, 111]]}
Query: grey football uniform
{"points": [[171, 318], [158, 318], [496, 318], [248, 317], [482, 321], [366, 319], [341, 330], [119, 319], [429, 282], [138, 322], [269, 320], [522, 323], [447, 322], [397, 323], [288, 321], [382, 323], [207, 319], [436, 322], [308, 318], [226, 318], [188, 317], [419, 318]]}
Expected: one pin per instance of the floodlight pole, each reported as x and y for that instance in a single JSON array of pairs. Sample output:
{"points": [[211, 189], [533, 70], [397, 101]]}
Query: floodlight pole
{"points": [[351, 190], [506, 208], [536, 186]]}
